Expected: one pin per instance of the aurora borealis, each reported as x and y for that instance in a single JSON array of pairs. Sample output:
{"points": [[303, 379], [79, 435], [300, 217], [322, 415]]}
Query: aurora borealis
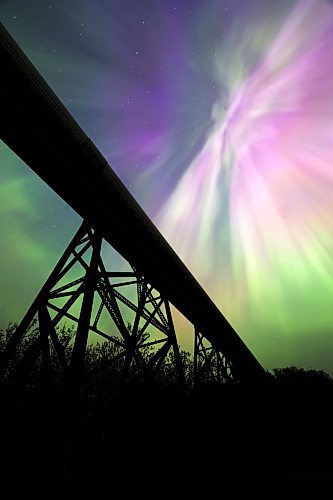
{"points": [[218, 117]]}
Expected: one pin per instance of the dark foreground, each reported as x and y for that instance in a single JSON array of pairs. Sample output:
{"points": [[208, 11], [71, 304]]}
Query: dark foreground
{"points": [[157, 441]]}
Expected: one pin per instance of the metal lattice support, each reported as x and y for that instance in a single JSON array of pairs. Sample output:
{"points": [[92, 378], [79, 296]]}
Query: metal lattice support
{"points": [[82, 290], [210, 365]]}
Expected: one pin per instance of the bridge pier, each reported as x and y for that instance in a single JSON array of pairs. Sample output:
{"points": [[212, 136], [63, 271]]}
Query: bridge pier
{"points": [[81, 275]]}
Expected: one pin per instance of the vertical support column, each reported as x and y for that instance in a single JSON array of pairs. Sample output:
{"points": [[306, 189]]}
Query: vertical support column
{"points": [[81, 338], [195, 356], [142, 294], [219, 377], [173, 337]]}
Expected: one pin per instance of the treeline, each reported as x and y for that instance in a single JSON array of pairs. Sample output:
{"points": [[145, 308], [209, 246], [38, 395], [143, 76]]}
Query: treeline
{"points": [[148, 437], [104, 376]]}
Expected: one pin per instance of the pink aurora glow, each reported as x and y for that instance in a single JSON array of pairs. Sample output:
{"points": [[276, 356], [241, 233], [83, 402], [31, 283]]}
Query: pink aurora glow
{"points": [[271, 155]]}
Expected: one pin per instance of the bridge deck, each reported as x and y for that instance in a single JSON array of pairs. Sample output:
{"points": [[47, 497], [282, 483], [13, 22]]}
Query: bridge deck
{"points": [[40, 130]]}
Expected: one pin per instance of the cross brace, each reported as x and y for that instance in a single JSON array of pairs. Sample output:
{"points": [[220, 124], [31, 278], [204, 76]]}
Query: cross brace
{"points": [[84, 292]]}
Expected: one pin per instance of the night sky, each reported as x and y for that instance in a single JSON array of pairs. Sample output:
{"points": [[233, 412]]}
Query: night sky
{"points": [[218, 117]]}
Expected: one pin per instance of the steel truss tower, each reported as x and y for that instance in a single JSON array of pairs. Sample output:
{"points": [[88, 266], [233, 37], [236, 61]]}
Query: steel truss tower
{"points": [[146, 343]]}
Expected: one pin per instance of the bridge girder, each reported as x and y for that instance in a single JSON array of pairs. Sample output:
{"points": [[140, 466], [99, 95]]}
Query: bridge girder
{"points": [[39, 129]]}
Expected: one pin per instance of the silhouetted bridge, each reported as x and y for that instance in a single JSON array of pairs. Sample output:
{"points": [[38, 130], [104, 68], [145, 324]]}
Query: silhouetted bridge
{"points": [[40, 130]]}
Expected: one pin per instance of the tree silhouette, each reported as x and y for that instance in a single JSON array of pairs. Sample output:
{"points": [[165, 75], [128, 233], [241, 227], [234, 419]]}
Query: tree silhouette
{"points": [[240, 433]]}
